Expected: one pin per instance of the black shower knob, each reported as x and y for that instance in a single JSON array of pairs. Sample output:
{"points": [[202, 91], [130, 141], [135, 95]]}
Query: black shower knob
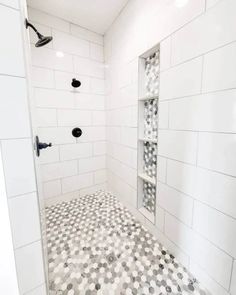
{"points": [[77, 132], [75, 83]]}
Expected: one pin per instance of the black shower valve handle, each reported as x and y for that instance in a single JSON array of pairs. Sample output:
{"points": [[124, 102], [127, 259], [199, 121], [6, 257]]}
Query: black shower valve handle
{"points": [[44, 145]]}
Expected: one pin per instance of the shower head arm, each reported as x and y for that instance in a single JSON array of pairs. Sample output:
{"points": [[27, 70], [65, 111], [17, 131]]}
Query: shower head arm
{"points": [[27, 24]]}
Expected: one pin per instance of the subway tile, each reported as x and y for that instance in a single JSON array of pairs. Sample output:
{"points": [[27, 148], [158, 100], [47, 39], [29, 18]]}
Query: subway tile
{"points": [[217, 190], [209, 224], [88, 67], [129, 116], [92, 164], [96, 52], [160, 218], [129, 137], [114, 135], [128, 73], [125, 192], [63, 82], [89, 101], [99, 148], [129, 175], [93, 134], [49, 155], [11, 61], [48, 20], [47, 58], [46, 117], [219, 68], [100, 176], [47, 98], [77, 182], [209, 112], [99, 118], [213, 29], [86, 34], [14, 116], [176, 203], [75, 151], [163, 121], [11, 3], [24, 216], [124, 154], [38, 291], [161, 169], [165, 54], [210, 284], [97, 86], [56, 135], [210, 3], [94, 188], [82, 65], [18, 166], [70, 44], [181, 177], [51, 189], [128, 96], [185, 80], [233, 282], [74, 118], [59, 170], [182, 257], [216, 262], [217, 152], [30, 268], [42, 77], [178, 145]]}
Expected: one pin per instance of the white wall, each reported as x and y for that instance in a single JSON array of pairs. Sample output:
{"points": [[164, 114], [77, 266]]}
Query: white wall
{"points": [[18, 165], [196, 164], [71, 166]]}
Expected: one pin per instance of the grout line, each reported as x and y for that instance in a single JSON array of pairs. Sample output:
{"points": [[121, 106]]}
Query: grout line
{"points": [[199, 131], [28, 244], [35, 288], [194, 198], [231, 275], [202, 236], [11, 7], [12, 76]]}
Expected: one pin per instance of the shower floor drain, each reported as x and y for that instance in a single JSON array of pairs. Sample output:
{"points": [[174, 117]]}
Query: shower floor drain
{"points": [[96, 246]]}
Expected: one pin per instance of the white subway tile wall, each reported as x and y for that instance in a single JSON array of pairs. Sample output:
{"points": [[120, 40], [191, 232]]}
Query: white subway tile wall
{"points": [[17, 154], [195, 213], [71, 165]]}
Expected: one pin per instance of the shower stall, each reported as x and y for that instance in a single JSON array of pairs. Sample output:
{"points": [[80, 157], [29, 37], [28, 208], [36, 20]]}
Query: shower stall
{"points": [[118, 147]]}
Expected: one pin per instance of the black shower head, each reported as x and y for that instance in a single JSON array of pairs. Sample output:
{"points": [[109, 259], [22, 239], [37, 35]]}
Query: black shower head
{"points": [[43, 40]]}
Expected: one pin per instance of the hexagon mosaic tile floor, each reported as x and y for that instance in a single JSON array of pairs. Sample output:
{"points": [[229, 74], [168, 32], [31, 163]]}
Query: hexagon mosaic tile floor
{"points": [[96, 246]]}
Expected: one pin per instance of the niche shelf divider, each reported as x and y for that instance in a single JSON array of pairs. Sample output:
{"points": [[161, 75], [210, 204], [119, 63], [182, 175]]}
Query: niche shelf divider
{"points": [[149, 72]]}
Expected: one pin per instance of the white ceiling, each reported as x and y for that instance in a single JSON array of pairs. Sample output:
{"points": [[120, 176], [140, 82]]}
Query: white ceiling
{"points": [[96, 15]]}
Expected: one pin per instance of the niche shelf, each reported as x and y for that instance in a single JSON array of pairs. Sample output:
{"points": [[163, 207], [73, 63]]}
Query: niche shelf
{"points": [[149, 65]]}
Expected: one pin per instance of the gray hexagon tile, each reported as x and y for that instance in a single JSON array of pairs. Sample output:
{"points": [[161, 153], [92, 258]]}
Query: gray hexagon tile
{"points": [[96, 246], [152, 74]]}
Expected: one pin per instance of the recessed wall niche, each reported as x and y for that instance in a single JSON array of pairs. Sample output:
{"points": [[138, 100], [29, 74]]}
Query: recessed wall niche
{"points": [[149, 69]]}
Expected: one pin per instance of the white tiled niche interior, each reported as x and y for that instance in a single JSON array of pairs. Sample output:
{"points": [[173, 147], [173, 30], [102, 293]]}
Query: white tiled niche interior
{"points": [[71, 165]]}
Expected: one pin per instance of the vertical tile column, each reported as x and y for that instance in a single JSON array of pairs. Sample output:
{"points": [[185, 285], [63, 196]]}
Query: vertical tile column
{"points": [[147, 141], [17, 155]]}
